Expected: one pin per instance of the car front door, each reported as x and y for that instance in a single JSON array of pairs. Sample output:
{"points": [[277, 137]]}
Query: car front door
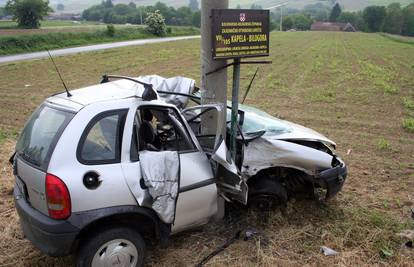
{"points": [[165, 131], [231, 185]]}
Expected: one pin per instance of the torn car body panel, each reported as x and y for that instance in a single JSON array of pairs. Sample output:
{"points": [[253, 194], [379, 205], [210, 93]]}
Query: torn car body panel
{"points": [[229, 180], [160, 171]]}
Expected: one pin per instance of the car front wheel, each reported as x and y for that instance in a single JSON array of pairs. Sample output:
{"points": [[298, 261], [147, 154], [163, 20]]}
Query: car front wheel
{"points": [[118, 247], [266, 194]]}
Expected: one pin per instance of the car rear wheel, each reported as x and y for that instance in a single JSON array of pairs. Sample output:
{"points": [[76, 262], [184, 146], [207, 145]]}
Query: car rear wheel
{"points": [[118, 247], [266, 194]]}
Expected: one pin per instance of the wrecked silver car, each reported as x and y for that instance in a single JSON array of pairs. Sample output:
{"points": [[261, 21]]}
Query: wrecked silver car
{"points": [[100, 168]]}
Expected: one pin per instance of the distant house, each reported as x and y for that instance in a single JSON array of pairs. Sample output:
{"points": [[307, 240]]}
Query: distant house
{"points": [[332, 26]]}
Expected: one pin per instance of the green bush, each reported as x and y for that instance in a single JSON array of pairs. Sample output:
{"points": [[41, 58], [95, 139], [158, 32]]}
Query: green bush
{"points": [[155, 23], [110, 30]]}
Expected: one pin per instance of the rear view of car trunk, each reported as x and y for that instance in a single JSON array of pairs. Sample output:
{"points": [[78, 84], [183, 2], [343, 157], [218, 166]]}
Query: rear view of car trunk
{"points": [[33, 152]]}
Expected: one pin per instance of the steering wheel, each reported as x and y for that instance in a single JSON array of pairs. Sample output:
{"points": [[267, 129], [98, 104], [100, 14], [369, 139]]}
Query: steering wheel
{"points": [[165, 134]]}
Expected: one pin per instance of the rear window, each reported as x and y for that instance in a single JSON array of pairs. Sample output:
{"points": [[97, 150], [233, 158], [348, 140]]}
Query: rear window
{"points": [[40, 135]]}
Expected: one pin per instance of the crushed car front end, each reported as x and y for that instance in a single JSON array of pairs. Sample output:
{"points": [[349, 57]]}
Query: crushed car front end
{"points": [[301, 157], [332, 179]]}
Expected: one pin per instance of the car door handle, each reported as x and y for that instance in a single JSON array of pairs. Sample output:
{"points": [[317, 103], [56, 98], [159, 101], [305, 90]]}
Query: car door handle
{"points": [[91, 180]]}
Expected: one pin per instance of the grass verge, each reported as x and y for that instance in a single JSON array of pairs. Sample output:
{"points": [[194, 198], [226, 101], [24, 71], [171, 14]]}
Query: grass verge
{"points": [[38, 42], [9, 24]]}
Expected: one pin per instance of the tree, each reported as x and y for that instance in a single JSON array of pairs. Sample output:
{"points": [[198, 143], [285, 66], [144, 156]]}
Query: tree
{"points": [[60, 7], [2, 12], [122, 9], [346, 17], [193, 5], [155, 23], [374, 17], [196, 19], [318, 11], [28, 13], [335, 13], [287, 23], [94, 13], [394, 19], [408, 26], [185, 15], [107, 3], [302, 22]]}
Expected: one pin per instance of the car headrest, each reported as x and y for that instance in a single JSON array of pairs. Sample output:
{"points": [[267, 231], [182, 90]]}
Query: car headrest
{"points": [[147, 115], [146, 132]]}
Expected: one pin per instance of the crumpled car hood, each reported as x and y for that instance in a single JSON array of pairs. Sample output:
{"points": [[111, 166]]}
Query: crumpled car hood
{"points": [[300, 132]]}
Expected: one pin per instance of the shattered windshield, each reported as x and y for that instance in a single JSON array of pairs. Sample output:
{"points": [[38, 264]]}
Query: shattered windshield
{"points": [[257, 120]]}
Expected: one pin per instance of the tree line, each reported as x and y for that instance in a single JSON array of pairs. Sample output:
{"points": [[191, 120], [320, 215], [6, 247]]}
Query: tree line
{"points": [[129, 13], [392, 19]]}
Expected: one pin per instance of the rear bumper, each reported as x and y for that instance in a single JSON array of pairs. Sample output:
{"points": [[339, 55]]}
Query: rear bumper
{"points": [[53, 237], [333, 179]]}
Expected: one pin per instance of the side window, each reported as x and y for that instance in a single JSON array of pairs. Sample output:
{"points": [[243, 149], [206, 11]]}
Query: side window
{"points": [[161, 129], [102, 138], [205, 136]]}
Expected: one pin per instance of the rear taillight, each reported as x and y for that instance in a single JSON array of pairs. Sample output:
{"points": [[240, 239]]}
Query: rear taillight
{"points": [[58, 198]]}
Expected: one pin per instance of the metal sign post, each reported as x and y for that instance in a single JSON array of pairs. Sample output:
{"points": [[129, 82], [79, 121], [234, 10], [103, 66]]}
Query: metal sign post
{"points": [[234, 107], [239, 33]]}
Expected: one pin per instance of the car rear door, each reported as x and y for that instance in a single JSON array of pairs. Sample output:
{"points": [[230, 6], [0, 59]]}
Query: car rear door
{"points": [[231, 184]]}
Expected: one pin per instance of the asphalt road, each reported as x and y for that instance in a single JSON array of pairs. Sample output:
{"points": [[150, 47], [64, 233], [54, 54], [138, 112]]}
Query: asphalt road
{"points": [[89, 48]]}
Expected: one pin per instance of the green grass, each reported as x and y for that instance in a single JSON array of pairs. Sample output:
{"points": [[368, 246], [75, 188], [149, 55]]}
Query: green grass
{"points": [[4, 135], [49, 23], [38, 42], [408, 103], [408, 124], [383, 144]]}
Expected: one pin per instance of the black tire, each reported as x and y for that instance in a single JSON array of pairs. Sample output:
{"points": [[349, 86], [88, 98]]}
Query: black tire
{"points": [[266, 194], [90, 246]]}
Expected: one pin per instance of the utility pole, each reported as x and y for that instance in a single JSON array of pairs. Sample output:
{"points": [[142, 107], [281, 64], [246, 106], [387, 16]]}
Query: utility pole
{"points": [[281, 18], [214, 85], [281, 13]]}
